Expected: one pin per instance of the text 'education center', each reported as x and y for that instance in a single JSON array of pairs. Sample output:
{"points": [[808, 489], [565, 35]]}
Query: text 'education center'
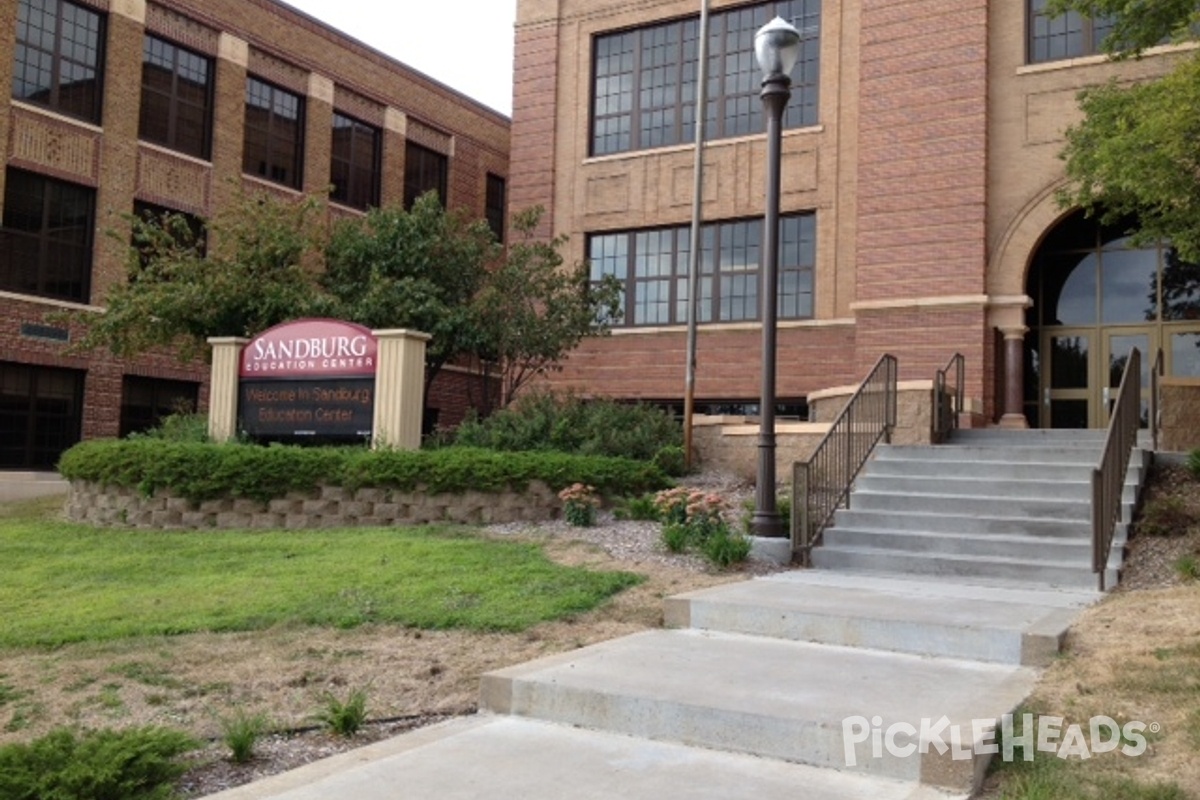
{"points": [[124, 105], [920, 166]]}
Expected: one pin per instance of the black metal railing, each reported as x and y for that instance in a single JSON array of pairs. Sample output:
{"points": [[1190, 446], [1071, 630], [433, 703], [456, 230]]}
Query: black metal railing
{"points": [[1156, 373], [1108, 478], [947, 405], [821, 484]]}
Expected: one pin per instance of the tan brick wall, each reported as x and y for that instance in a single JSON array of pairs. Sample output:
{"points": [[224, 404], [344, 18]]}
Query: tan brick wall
{"points": [[275, 42]]}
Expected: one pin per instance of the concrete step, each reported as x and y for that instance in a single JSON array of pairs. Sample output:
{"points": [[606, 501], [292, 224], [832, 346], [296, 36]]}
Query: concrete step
{"points": [[1022, 454], [1048, 437], [871, 481], [506, 757], [968, 524], [998, 470], [992, 506], [777, 699], [1064, 574], [1010, 625], [1027, 548]]}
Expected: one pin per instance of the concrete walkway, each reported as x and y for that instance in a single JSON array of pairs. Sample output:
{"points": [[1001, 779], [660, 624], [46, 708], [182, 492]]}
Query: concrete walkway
{"points": [[750, 697]]}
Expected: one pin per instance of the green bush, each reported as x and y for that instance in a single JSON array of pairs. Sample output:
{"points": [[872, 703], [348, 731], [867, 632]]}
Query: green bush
{"points": [[136, 764], [725, 548], [670, 460], [241, 732], [204, 471], [1193, 463], [602, 427], [1164, 516], [179, 427], [345, 718], [641, 507]]}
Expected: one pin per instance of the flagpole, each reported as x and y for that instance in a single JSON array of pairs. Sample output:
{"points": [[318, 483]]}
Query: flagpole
{"points": [[693, 304]]}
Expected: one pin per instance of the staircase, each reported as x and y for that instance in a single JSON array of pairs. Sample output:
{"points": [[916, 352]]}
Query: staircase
{"points": [[1007, 505]]}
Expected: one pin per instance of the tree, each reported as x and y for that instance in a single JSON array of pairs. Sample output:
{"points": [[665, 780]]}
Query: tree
{"points": [[1137, 151], [532, 310], [415, 269], [177, 294]]}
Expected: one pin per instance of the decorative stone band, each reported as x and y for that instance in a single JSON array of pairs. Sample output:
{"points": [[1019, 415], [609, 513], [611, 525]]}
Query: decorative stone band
{"points": [[327, 507]]}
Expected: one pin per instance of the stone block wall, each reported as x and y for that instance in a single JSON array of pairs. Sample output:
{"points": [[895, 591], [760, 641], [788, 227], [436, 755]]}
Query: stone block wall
{"points": [[1180, 414], [730, 445], [914, 410], [327, 507]]}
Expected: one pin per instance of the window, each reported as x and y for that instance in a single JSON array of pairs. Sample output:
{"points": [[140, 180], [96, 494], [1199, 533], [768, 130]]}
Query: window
{"points": [[424, 169], [354, 167], [46, 239], [644, 80], [145, 401], [653, 267], [1068, 36], [58, 61], [41, 411], [176, 109], [494, 205], [274, 146]]}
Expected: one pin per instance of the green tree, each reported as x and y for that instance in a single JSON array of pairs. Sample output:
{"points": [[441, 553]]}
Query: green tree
{"points": [[417, 269], [532, 310], [1137, 151], [178, 292]]}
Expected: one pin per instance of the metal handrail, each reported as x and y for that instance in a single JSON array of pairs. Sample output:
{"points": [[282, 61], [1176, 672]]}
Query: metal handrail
{"points": [[945, 414], [1108, 478], [821, 484], [1156, 372]]}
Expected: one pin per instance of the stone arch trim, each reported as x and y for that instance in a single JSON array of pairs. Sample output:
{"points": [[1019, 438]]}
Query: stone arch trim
{"points": [[1014, 251]]}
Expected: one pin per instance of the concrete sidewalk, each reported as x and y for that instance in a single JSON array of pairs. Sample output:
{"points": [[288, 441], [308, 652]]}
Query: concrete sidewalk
{"points": [[747, 699]]}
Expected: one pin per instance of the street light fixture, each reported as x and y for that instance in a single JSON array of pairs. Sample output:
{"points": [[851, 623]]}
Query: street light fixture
{"points": [[777, 48]]}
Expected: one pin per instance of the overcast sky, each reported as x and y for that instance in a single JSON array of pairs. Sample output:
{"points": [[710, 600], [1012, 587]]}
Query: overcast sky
{"points": [[424, 33]]}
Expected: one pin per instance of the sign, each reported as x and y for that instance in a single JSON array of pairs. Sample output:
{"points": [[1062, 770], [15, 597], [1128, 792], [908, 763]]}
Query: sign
{"points": [[310, 378]]}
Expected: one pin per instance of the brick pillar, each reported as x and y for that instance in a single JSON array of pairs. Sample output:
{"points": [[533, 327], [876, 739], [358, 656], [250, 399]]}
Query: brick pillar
{"points": [[534, 126], [395, 136], [223, 391], [229, 118], [318, 135]]}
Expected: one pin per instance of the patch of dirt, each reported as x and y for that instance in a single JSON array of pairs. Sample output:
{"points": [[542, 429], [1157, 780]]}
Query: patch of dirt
{"points": [[412, 677]]}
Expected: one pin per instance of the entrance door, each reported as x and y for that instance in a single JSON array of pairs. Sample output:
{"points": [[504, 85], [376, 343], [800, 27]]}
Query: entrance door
{"points": [[1117, 344], [1070, 361]]}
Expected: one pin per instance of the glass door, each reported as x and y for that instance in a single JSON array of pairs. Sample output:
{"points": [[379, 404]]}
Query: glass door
{"points": [[1117, 344], [1068, 401]]}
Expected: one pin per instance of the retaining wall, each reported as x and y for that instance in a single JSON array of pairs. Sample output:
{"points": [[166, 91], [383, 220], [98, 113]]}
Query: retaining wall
{"points": [[327, 507]]}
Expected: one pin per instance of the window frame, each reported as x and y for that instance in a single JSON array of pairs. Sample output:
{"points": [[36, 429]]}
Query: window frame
{"points": [[173, 101], [418, 159], [268, 168], [352, 193], [728, 284], [653, 86], [58, 59], [1091, 32], [14, 276], [495, 203]]}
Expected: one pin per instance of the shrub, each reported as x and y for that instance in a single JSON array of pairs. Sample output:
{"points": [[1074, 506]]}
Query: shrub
{"points": [[725, 548], [135, 764], [205, 471], [1188, 567], [344, 718], [241, 732], [579, 505], [639, 508], [670, 460], [178, 427], [602, 427], [1193, 463], [1164, 516], [676, 537]]}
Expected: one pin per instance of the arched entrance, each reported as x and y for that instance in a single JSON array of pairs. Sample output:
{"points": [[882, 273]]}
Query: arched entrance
{"points": [[1095, 296]]}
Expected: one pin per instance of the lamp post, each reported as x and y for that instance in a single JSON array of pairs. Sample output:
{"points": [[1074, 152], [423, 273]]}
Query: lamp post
{"points": [[777, 47]]}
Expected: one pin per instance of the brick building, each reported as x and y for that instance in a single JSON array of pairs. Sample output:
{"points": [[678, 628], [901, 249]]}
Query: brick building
{"points": [[175, 104], [920, 163]]}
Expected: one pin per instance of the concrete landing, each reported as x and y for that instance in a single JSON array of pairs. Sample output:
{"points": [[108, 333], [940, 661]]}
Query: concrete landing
{"points": [[986, 623], [504, 757]]}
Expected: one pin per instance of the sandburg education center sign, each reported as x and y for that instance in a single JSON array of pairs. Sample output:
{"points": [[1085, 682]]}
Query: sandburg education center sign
{"points": [[309, 378]]}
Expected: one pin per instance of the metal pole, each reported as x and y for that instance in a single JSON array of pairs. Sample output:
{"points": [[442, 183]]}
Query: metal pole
{"points": [[693, 304], [766, 522]]}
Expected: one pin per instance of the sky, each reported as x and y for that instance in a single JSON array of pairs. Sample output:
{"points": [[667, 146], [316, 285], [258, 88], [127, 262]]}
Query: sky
{"points": [[415, 32]]}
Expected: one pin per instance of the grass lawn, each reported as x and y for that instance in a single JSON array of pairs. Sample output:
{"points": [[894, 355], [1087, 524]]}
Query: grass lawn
{"points": [[64, 582]]}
